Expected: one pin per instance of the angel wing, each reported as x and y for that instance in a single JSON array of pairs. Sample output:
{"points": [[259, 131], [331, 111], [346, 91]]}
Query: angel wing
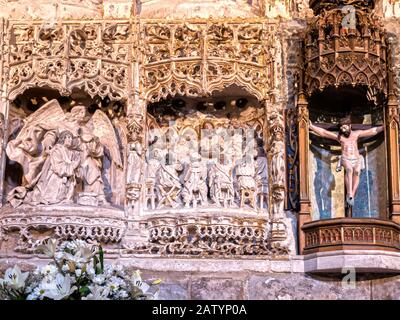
{"points": [[48, 117], [24, 149], [104, 130]]}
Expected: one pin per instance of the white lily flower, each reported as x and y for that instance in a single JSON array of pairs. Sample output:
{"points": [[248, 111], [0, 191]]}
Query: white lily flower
{"points": [[48, 282], [138, 282], [14, 278], [90, 271], [97, 293], [49, 270], [99, 279], [84, 249], [49, 248], [81, 256], [140, 287], [61, 288]]}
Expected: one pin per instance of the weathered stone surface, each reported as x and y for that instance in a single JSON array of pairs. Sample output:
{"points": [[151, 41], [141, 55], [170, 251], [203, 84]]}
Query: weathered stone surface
{"points": [[361, 260], [386, 288], [216, 289], [50, 10], [170, 291], [303, 287]]}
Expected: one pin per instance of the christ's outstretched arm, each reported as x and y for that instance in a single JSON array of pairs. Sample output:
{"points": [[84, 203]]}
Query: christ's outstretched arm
{"points": [[323, 132], [370, 132]]}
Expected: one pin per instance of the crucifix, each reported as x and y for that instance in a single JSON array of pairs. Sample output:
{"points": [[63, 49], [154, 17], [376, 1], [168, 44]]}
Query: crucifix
{"points": [[350, 159]]}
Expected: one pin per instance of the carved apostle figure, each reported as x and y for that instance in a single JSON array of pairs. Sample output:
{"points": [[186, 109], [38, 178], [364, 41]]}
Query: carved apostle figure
{"points": [[152, 167], [235, 140], [277, 150], [246, 173], [153, 164], [262, 179], [168, 183], [351, 159], [134, 162], [194, 182], [221, 182], [92, 153], [57, 180], [134, 168]]}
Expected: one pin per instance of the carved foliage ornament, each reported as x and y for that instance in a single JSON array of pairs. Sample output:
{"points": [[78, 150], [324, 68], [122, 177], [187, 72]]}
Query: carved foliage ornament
{"points": [[345, 48], [323, 5], [194, 59], [33, 228], [205, 237], [90, 56]]}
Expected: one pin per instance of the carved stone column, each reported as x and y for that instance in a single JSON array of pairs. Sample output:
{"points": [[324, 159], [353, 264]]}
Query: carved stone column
{"points": [[136, 149], [278, 171], [392, 139], [4, 104], [305, 203], [392, 134]]}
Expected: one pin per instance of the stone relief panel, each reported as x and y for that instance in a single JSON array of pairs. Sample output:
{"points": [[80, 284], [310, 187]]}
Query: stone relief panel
{"points": [[64, 156], [285, 9], [119, 8], [178, 9], [390, 8], [75, 164], [64, 176], [50, 10], [213, 158]]}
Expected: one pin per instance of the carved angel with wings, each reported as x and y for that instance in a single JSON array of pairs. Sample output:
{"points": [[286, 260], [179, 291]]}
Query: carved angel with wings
{"points": [[94, 139]]}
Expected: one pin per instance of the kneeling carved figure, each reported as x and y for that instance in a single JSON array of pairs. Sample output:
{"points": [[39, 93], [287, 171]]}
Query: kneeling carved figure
{"points": [[57, 151]]}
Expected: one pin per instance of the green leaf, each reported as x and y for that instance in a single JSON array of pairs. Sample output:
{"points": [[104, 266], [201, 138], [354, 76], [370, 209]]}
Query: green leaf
{"points": [[84, 291], [101, 255], [95, 262]]}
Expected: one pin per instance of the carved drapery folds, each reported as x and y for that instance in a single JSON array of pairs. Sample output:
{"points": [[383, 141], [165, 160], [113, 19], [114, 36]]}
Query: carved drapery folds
{"points": [[345, 47], [135, 152], [194, 59], [65, 56], [277, 156]]}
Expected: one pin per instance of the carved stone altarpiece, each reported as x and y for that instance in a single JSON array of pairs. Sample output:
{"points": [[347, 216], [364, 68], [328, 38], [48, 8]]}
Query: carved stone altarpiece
{"points": [[89, 172]]}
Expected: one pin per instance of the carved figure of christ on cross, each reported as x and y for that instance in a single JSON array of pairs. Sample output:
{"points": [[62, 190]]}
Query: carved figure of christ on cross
{"points": [[351, 159]]}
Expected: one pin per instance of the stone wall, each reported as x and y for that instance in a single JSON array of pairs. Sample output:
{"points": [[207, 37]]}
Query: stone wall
{"points": [[249, 279]]}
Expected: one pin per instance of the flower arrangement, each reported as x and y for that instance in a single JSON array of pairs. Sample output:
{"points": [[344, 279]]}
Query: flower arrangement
{"points": [[77, 272]]}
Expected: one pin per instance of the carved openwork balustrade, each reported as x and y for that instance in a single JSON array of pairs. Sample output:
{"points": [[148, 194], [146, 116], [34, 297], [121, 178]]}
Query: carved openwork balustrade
{"points": [[351, 234]]}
